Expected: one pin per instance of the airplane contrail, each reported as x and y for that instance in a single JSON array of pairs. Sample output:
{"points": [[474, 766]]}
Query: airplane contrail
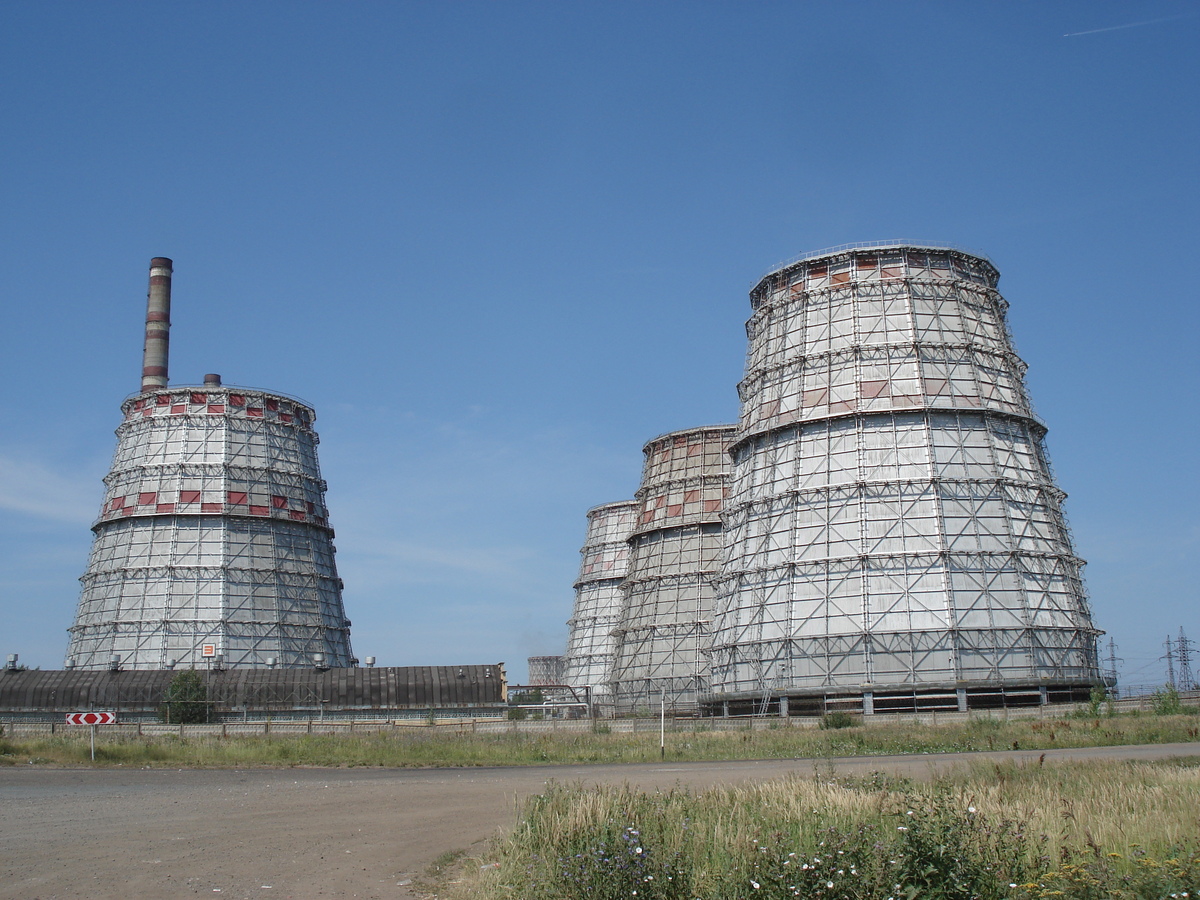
{"points": [[1131, 25]]}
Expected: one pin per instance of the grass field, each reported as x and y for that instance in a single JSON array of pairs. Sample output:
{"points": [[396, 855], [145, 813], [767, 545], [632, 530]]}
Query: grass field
{"points": [[429, 747], [1072, 830]]}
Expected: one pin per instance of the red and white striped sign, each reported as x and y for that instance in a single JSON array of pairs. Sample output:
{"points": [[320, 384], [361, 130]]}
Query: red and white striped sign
{"points": [[92, 718]]}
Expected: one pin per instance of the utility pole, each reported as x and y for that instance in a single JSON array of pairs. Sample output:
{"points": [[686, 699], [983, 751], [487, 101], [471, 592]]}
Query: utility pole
{"points": [[1170, 662], [1113, 659], [1186, 681]]}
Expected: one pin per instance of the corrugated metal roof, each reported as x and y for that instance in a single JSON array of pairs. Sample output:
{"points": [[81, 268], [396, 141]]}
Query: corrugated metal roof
{"points": [[398, 687]]}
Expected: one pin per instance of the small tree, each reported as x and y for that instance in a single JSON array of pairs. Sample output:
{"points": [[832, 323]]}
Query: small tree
{"points": [[186, 700], [1166, 702]]}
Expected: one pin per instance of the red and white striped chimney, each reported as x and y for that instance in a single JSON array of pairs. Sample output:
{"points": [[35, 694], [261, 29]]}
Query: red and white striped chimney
{"points": [[158, 325]]}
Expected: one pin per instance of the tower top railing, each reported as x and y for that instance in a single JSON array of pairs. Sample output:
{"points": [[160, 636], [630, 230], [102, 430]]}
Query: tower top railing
{"points": [[872, 245], [223, 386]]}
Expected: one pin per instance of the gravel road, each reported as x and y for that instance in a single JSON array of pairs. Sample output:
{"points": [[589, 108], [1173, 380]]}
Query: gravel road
{"points": [[301, 833]]}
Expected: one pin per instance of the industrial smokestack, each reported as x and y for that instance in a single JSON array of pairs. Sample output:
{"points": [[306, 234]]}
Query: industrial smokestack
{"points": [[158, 325]]}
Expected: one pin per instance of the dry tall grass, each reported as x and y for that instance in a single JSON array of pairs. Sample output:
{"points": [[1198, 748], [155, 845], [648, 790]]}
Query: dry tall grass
{"points": [[428, 747], [1006, 831]]}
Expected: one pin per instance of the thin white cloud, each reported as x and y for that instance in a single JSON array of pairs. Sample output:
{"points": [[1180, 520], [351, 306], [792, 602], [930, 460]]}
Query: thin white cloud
{"points": [[35, 489], [412, 560], [1130, 25]]}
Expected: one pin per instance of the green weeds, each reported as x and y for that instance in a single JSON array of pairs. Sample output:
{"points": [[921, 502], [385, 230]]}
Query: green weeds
{"points": [[1107, 830], [602, 743]]}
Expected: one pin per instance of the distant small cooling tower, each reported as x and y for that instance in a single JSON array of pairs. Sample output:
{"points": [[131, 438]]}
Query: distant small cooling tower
{"points": [[602, 567], [674, 557], [894, 537], [213, 532]]}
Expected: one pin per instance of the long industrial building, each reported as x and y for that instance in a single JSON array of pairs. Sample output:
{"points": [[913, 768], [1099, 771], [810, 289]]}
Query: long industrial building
{"points": [[892, 538], [239, 693], [213, 540]]}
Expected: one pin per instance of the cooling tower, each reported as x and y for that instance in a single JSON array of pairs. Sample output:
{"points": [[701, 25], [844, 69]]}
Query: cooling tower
{"points": [[603, 564], [213, 530], [894, 536], [674, 554], [545, 670]]}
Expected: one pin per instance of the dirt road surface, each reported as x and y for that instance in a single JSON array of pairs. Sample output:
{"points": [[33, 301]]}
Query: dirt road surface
{"points": [[307, 833]]}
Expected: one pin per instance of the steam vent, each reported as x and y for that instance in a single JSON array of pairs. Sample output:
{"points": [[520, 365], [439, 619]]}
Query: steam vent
{"points": [[893, 536], [213, 530]]}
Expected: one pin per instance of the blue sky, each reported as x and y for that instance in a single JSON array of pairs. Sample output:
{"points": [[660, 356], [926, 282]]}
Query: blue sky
{"points": [[499, 246]]}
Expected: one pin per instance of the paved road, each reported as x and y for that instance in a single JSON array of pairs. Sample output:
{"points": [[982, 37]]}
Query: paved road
{"points": [[300, 833]]}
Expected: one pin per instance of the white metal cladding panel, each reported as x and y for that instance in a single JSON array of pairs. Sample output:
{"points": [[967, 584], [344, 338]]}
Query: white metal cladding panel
{"points": [[596, 599], [210, 488], [880, 380], [686, 455], [667, 602], [890, 447], [669, 670], [688, 550], [884, 519], [805, 324], [923, 337], [611, 523], [215, 439], [603, 561], [900, 602]]}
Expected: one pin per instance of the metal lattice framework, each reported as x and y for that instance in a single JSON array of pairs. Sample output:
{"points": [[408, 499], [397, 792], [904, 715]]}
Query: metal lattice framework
{"points": [[545, 670], [674, 554], [213, 531], [604, 561], [893, 524]]}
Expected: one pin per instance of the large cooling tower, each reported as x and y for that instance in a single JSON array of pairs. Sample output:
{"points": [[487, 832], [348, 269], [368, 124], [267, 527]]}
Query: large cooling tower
{"points": [[604, 560], [894, 536], [674, 555], [213, 530]]}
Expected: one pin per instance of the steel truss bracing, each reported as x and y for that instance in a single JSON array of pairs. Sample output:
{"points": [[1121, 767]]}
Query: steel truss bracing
{"points": [[674, 554], [213, 531], [545, 670], [892, 519], [603, 564]]}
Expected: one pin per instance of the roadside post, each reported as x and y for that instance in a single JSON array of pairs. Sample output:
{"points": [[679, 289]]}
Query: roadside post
{"points": [[662, 725], [93, 719]]}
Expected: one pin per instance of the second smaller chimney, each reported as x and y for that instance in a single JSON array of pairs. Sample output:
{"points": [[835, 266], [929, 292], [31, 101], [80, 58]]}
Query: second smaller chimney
{"points": [[158, 326]]}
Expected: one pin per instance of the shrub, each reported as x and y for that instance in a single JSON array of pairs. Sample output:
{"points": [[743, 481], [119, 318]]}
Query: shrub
{"points": [[186, 700], [838, 719], [1166, 702]]}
